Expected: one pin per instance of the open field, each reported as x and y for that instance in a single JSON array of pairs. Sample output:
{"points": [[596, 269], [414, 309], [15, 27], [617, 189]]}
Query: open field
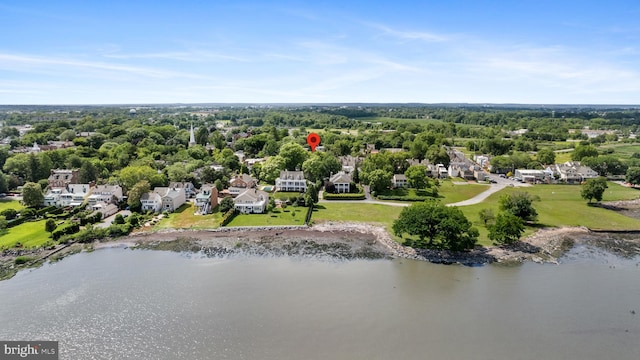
{"points": [[289, 216], [29, 234], [450, 193], [184, 218], [284, 195], [357, 212], [10, 204], [561, 205], [623, 150]]}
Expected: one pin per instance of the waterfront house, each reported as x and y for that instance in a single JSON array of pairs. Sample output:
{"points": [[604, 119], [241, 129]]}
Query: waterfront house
{"points": [[291, 181], [251, 201], [106, 194], [171, 197], [206, 199], [151, 201]]}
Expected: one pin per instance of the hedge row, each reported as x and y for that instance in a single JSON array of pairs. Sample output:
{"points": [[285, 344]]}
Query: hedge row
{"points": [[329, 196], [66, 230], [227, 217]]}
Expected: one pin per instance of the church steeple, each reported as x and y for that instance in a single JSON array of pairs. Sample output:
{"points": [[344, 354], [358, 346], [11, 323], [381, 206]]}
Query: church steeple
{"points": [[192, 137]]}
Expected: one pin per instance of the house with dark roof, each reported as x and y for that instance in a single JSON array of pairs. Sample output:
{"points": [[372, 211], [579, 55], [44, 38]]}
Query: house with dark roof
{"points": [[291, 181]]}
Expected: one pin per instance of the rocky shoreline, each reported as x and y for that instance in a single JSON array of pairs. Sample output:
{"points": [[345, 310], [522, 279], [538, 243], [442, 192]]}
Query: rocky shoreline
{"points": [[343, 240]]}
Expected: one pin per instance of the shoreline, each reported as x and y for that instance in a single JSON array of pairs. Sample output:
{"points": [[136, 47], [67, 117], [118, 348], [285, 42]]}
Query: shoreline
{"points": [[337, 240], [349, 240]]}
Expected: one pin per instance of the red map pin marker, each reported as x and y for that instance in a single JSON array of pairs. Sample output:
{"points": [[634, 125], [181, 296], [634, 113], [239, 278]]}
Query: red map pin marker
{"points": [[313, 140]]}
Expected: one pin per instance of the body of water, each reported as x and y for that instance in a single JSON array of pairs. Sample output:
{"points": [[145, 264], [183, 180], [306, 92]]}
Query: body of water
{"points": [[135, 304]]}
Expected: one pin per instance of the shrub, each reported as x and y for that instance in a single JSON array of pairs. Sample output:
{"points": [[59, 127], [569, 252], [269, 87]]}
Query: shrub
{"points": [[22, 260], [9, 214], [227, 217], [65, 230], [345, 196]]}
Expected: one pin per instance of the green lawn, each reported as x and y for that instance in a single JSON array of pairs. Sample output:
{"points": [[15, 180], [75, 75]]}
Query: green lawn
{"points": [[289, 216], [284, 195], [184, 218], [451, 193], [29, 234], [10, 204], [561, 205], [356, 212]]}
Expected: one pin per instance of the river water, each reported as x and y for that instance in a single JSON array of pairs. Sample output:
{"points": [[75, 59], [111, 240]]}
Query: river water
{"points": [[141, 304]]}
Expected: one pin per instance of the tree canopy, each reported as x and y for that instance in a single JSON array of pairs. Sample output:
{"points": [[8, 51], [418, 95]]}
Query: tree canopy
{"points": [[594, 189], [443, 226], [520, 204]]}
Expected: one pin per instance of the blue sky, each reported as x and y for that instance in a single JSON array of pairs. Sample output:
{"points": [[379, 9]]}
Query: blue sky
{"points": [[115, 52]]}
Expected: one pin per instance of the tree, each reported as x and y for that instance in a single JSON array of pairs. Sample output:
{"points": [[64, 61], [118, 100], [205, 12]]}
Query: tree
{"points": [[320, 165], [271, 169], [356, 174], [605, 164], [633, 175], [435, 221], [582, 151], [131, 175], [486, 215], [50, 225], [438, 155], [32, 195], [520, 204], [379, 180], [546, 156], [417, 176], [140, 188], [226, 204], [87, 173], [507, 228], [294, 155], [418, 149], [594, 189]]}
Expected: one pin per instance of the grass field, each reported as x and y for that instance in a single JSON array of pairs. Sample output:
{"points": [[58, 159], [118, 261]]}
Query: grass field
{"points": [[10, 204], [289, 216], [29, 234], [451, 193], [561, 205], [285, 195], [357, 212], [184, 218], [624, 151]]}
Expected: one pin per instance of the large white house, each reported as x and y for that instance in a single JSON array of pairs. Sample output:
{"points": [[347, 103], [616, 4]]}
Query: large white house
{"points": [[342, 182], [291, 181], [251, 201], [71, 195], [105, 194]]}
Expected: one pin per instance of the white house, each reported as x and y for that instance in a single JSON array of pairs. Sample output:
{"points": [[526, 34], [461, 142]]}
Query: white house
{"points": [[342, 182], [72, 195], [171, 197], [399, 181], [151, 201], [291, 181], [106, 194], [251, 201]]}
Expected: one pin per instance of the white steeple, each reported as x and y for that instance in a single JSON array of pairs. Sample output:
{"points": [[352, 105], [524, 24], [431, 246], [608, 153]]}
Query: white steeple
{"points": [[192, 137]]}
